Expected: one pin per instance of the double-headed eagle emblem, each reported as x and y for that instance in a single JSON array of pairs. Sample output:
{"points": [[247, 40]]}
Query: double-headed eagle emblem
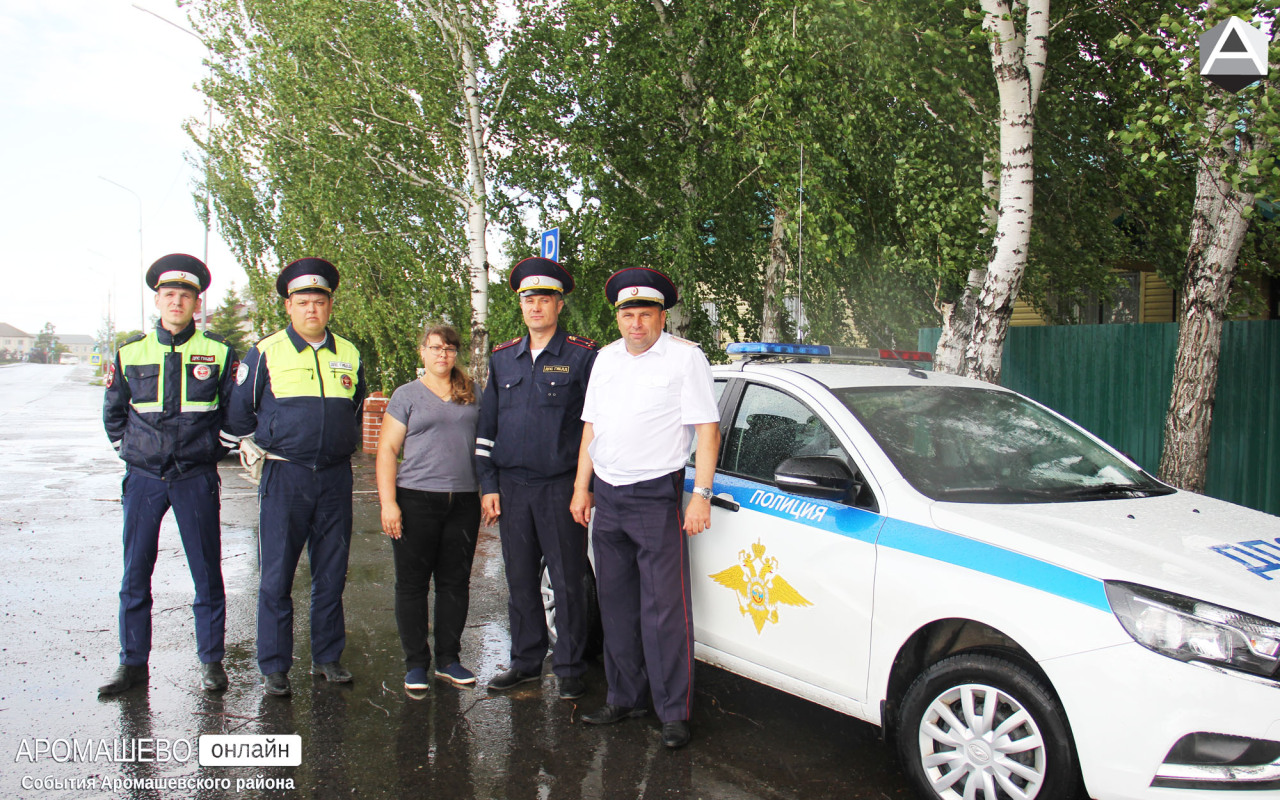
{"points": [[760, 589]]}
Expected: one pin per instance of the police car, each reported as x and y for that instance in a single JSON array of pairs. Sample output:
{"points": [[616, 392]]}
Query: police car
{"points": [[1024, 610]]}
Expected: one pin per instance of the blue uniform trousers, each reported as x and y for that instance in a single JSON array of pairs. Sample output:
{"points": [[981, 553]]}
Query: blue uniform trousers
{"points": [[642, 574], [300, 507], [536, 524], [195, 505]]}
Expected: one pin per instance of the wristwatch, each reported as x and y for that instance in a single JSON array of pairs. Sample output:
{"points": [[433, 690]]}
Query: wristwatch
{"points": [[703, 492]]}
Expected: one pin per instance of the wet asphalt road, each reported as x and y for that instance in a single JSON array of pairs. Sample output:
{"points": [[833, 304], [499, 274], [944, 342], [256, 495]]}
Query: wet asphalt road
{"points": [[59, 577]]}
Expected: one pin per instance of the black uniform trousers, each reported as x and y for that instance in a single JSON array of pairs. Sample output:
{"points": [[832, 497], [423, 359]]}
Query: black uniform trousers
{"points": [[300, 507], [642, 574], [536, 525], [195, 505], [437, 541]]}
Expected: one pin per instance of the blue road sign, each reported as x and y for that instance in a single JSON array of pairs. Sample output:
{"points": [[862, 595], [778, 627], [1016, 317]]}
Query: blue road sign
{"points": [[551, 244]]}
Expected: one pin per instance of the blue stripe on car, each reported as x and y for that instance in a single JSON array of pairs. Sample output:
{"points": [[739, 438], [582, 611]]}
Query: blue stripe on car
{"points": [[909, 537]]}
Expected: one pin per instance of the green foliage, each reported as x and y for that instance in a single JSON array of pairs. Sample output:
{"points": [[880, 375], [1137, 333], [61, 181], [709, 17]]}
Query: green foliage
{"points": [[1183, 120], [47, 348], [338, 140]]}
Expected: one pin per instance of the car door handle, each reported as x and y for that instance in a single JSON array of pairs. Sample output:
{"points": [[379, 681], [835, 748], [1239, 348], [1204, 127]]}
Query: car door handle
{"points": [[725, 501]]}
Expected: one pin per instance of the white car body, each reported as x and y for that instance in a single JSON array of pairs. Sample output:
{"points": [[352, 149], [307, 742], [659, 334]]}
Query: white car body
{"points": [[870, 598]]}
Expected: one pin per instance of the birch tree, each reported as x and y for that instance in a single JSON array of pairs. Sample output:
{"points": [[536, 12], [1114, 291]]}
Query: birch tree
{"points": [[1225, 139], [1018, 32]]}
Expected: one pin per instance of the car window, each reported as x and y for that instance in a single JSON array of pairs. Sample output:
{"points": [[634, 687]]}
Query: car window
{"points": [[971, 445], [770, 427]]}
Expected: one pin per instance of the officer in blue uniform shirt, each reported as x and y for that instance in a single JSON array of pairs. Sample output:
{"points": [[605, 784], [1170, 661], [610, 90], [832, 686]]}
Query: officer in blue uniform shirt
{"points": [[526, 455], [298, 393], [650, 392], [163, 409]]}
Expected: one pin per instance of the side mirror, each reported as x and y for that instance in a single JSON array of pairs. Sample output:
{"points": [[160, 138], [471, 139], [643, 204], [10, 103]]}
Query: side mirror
{"points": [[824, 477]]}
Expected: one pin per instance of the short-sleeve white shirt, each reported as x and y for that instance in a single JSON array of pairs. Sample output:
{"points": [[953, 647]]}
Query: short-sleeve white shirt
{"points": [[642, 409]]}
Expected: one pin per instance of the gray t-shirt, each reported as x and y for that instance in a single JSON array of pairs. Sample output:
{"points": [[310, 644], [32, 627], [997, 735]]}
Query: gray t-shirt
{"points": [[440, 443]]}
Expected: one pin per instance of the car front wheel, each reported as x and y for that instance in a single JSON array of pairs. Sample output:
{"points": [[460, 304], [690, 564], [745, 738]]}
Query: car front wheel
{"points": [[979, 727]]}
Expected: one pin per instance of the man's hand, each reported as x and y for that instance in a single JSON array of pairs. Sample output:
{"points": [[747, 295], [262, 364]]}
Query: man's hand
{"points": [[490, 508], [391, 520], [697, 516], [580, 506]]}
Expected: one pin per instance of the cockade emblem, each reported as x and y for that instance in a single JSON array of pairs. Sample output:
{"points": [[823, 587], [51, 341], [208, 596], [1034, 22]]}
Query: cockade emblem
{"points": [[759, 587]]}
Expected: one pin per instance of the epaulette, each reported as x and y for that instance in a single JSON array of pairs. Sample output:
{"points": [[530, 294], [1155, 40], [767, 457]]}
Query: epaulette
{"points": [[217, 337], [505, 345], [582, 341], [683, 340], [137, 337]]}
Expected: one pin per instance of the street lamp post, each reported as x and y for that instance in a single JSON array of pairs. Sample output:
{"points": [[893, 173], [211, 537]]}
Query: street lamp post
{"points": [[208, 212], [142, 267]]}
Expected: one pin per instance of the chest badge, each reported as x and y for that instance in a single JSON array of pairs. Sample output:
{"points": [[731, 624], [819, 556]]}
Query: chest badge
{"points": [[759, 588], [201, 372], [346, 382]]}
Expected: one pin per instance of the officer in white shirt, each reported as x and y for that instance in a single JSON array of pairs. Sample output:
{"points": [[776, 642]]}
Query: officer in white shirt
{"points": [[649, 393]]}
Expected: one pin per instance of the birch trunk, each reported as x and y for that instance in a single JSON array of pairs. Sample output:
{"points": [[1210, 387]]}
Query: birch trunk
{"points": [[1218, 227], [957, 318], [1017, 59], [477, 217], [775, 271]]}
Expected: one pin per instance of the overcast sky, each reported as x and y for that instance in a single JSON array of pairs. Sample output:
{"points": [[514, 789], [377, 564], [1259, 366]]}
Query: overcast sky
{"points": [[95, 89]]}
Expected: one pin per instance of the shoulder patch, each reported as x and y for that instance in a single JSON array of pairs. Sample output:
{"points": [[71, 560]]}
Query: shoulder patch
{"points": [[683, 340], [582, 341], [242, 373], [505, 345]]}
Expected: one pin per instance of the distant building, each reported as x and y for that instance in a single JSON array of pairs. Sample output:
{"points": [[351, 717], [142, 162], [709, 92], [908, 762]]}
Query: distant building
{"points": [[77, 344], [15, 345]]}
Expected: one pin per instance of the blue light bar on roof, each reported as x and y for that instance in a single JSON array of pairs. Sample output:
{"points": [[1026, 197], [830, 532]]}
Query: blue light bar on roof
{"points": [[777, 349]]}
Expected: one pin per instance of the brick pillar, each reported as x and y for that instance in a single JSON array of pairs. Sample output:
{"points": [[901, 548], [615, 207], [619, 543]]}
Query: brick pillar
{"points": [[375, 405]]}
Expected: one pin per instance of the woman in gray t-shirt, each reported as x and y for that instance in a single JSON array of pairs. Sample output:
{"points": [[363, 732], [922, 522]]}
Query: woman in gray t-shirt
{"points": [[431, 506]]}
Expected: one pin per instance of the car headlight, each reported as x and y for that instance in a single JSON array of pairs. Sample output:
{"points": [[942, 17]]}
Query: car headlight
{"points": [[1191, 630]]}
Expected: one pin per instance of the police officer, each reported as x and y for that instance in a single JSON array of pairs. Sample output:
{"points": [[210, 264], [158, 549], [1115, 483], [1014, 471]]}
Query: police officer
{"points": [[526, 455], [649, 393], [163, 409], [298, 393]]}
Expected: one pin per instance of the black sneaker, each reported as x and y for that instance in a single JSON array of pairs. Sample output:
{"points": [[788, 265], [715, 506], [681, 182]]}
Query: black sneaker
{"points": [[511, 679]]}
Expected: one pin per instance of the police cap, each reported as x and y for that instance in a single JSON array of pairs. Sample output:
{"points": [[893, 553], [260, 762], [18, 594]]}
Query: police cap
{"points": [[538, 275], [640, 286], [179, 270], [307, 275]]}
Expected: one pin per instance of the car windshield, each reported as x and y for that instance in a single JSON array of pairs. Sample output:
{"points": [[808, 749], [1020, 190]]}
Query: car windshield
{"points": [[972, 445]]}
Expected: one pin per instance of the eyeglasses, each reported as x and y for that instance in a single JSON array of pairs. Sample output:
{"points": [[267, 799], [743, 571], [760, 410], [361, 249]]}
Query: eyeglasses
{"points": [[436, 350]]}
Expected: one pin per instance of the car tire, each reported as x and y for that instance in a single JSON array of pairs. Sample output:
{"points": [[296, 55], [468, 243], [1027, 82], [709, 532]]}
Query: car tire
{"points": [[981, 723], [595, 635]]}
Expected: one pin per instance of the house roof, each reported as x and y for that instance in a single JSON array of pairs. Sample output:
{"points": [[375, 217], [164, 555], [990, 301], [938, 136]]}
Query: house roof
{"points": [[75, 338], [8, 330]]}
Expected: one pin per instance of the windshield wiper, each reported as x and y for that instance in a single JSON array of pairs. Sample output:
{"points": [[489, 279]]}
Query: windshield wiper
{"points": [[1102, 490]]}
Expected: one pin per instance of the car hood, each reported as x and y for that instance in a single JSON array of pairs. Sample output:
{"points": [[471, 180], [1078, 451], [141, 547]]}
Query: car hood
{"points": [[1183, 543]]}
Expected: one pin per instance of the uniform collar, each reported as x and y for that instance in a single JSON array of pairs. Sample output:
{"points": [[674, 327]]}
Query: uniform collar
{"points": [[657, 348], [553, 345], [301, 343], [175, 339]]}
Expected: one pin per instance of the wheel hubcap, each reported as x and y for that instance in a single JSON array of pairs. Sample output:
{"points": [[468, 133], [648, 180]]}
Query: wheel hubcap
{"points": [[979, 742]]}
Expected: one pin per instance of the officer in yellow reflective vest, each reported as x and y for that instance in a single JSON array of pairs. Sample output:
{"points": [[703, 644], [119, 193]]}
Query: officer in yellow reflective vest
{"points": [[163, 410], [298, 393]]}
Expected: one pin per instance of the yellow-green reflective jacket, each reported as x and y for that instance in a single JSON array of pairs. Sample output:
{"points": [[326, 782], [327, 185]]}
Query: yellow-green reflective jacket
{"points": [[299, 402], [166, 401]]}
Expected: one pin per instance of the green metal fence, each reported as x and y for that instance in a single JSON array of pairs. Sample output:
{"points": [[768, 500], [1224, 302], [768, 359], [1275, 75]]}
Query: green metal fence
{"points": [[1114, 380]]}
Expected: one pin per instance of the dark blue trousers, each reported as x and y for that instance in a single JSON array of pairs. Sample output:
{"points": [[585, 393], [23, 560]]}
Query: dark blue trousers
{"points": [[642, 576], [536, 524], [195, 505], [301, 508]]}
